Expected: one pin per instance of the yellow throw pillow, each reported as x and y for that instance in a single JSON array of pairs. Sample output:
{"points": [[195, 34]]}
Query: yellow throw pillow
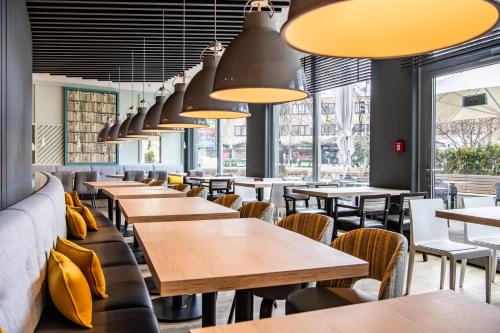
{"points": [[69, 290], [76, 223], [175, 180], [88, 217], [68, 199], [76, 199], [89, 264]]}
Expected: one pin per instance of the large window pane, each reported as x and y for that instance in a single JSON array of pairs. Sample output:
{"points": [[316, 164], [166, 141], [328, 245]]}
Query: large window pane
{"points": [[345, 133], [234, 146], [295, 140], [205, 148], [150, 150]]}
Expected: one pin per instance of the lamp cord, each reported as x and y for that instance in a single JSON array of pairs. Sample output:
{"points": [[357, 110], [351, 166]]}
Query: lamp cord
{"points": [[184, 40], [143, 66], [215, 20], [163, 49], [132, 78], [119, 87]]}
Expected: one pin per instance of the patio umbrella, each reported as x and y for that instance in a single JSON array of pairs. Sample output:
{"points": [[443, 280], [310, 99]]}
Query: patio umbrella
{"points": [[449, 105], [344, 113]]}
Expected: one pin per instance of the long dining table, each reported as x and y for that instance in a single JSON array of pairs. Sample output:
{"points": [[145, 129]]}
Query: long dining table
{"points": [[489, 216], [208, 256]]}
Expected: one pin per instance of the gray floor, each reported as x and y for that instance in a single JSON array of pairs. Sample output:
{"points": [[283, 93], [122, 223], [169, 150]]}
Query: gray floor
{"points": [[425, 279]]}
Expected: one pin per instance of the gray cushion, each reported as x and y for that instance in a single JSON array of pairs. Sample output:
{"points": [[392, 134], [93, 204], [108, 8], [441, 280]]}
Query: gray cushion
{"points": [[311, 299], [66, 178], [353, 222], [73, 168], [43, 168]]}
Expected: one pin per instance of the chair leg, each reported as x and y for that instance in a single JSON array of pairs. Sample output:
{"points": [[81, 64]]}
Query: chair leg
{"points": [[411, 261], [443, 272], [494, 266], [453, 273], [487, 269], [424, 257], [463, 265], [266, 308], [231, 312]]}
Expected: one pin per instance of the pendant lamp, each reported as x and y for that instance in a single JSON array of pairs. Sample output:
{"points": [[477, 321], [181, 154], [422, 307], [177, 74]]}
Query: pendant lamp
{"points": [[385, 28], [169, 116], [103, 134], [152, 118], [137, 122], [122, 133], [197, 102], [258, 67], [112, 136]]}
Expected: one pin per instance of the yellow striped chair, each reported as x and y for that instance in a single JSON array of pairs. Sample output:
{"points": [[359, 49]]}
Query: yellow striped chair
{"points": [[181, 187], [258, 209], [310, 225], [195, 192], [157, 183], [147, 180], [232, 201], [386, 253]]}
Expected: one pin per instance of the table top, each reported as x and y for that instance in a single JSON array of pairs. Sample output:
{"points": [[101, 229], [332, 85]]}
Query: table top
{"points": [[208, 178], [110, 183], [481, 215], [173, 209], [264, 184], [230, 254], [335, 192], [442, 311], [119, 193]]}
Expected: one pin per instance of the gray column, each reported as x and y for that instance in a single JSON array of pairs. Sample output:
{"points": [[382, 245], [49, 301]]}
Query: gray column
{"points": [[258, 141]]}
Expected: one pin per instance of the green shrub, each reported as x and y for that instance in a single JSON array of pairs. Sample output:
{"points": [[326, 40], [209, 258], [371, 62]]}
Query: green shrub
{"points": [[483, 160]]}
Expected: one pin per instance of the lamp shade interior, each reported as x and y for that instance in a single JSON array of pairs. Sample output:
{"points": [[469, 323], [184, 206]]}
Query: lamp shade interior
{"points": [[385, 28]]}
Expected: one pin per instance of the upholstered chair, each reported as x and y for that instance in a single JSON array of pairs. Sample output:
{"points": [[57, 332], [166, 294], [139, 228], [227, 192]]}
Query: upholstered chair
{"points": [[66, 178], [232, 201], [386, 253], [158, 182], [83, 190], [135, 175], [158, 174], [181, 187], [258, 209], [195, 192]]}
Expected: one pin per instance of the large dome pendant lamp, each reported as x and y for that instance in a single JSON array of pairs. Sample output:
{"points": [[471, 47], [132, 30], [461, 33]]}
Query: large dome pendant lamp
{"points": [[257, 66], [135, 130], [385, 28], [197, 102], [173, 105], [112, 136], [152, 118]]}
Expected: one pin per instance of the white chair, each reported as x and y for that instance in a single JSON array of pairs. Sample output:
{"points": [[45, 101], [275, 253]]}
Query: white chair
{"points": [[247, 194], [482, 235], [267, 190], [429, 234], [277, 200]]}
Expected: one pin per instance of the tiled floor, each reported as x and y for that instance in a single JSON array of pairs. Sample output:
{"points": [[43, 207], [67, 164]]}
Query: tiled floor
{"points": [[425, 279]]}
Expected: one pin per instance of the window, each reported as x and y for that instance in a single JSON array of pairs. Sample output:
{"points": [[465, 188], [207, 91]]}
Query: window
{"points": [[234, 146], [295, 140], [205, 148], [341, 156], [150, 150], [240, 130]]}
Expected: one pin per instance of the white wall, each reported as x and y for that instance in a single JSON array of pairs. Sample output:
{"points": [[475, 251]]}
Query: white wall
{"points": [[48, 109]]}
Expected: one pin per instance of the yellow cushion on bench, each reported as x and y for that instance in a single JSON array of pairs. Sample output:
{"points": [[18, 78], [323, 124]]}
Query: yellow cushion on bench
{"points": [[69, 289], [88, 217], [175, 179], [89, 264], [76, 199], [76, 223], [68, 199]]}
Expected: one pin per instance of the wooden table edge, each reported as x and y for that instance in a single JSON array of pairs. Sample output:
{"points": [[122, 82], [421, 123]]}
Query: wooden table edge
{"points": [[450, 215], [180, 217]]}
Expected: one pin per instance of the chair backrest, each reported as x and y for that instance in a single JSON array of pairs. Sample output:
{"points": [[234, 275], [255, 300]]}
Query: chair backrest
{"points": [[473, 231], [81, 177], [147, 180], [219, 185], [374, 204], [195, 192], [313, 226], [288, 191], [232, 201], [134, 175], [425, 226], [181, 187], [404, 200], [158, 174], [386, 253], [257, 209], [66, 178], [267, 190], [277, 192], [246, 193], [159, 182]]}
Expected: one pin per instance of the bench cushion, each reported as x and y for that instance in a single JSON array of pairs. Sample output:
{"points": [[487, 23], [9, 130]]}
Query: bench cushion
{"points": [[112, 253], [105, 234]]}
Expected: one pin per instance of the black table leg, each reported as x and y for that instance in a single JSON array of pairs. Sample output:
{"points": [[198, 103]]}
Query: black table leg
{"points": [[177, 308], [118, 216], [329, 206], [244, 305], [110, 209], [260, 193], [208, 302]]}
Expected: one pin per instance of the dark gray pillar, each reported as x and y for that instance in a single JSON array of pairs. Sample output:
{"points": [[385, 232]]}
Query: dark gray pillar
{"points": [[258, 141], [390, 120]]}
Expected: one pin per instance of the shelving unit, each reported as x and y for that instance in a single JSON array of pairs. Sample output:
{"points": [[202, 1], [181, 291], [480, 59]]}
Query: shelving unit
{"points": [[86, 112]]}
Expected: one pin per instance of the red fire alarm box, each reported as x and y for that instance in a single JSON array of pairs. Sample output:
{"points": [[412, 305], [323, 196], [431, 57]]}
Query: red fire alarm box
{"points": [[398, 147]]}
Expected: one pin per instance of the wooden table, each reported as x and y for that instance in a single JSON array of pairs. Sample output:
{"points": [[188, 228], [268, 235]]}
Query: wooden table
{"points": [[443, 312], [331, 194], [173, 209], [143, 192], [236, 254], [482, 215], [116, 176]]}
